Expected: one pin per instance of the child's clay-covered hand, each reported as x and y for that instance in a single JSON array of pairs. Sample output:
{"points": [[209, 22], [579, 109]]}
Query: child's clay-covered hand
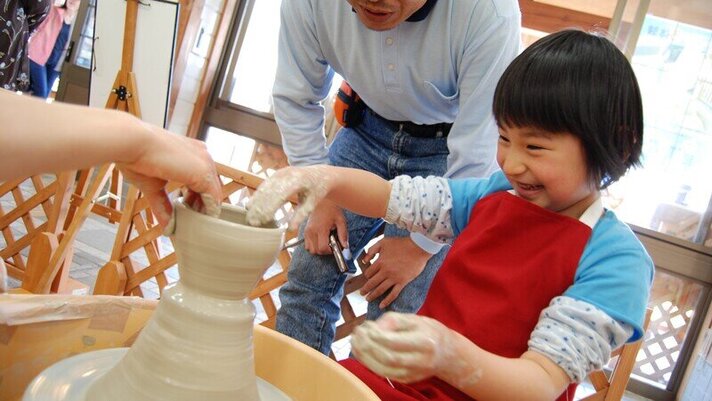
{"points": [[310, 184], [404, 347]]}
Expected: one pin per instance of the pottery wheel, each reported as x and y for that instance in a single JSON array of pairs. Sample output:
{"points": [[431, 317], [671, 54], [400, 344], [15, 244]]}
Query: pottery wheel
{"points": [[69, 379]]}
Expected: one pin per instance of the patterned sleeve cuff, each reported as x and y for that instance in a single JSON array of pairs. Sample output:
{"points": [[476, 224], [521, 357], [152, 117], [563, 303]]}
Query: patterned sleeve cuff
{"points": [[393, 209], [421, 205], [577, 336]]}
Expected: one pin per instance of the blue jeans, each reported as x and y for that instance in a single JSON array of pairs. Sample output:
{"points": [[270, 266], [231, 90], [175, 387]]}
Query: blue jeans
{"points": [[310, 298], [42, 77]]}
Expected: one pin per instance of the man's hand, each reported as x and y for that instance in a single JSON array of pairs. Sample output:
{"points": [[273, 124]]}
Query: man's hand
{"points": [[325, 217], [404, 347], [399, 261]]}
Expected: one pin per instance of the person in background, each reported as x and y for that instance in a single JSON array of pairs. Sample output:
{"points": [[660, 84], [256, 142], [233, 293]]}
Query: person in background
{"points": [[542, 282], [18, 19], [47, 46], [37, 137], [424, 72]]}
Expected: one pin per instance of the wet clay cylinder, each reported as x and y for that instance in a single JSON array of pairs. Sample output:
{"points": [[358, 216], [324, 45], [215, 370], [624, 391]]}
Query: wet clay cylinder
{"points": [[198, 344]]}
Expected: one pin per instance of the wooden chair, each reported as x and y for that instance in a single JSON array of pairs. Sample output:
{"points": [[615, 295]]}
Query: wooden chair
{"points": [[36, 244], [611, 387]]}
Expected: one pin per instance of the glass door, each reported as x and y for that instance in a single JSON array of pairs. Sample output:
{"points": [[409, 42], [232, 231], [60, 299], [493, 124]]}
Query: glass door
{"points": [[74, 79]]}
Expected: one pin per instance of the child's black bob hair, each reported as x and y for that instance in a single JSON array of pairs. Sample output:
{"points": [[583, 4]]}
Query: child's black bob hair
{"points": [[580, 83]]}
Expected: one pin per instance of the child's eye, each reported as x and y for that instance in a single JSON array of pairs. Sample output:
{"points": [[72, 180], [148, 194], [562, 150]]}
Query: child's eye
{"points": [[534, 147], [503, 139]]}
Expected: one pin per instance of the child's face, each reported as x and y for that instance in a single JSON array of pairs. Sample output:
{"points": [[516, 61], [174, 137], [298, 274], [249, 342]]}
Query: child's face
{"points": [[547, 169]]}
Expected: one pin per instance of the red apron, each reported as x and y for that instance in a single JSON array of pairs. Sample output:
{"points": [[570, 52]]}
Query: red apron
{"points": [[502, 271]]}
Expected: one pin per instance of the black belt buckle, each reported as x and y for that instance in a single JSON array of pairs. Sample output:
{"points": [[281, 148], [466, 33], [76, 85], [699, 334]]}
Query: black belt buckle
{"points": [[439, 130], [425, 131]]}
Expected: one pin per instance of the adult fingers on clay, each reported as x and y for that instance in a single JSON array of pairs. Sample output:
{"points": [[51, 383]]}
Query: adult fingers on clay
{"points": [[206, 186], [159, 203], [192, 200], [201, 202]]}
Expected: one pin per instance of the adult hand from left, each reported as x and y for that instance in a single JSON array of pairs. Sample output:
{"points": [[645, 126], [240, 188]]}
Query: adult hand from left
{"points": [[399, 262], [404, 347], [167, 157]]}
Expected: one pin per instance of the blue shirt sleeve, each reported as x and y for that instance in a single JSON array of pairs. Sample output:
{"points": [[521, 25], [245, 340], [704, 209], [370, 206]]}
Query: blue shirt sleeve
{"points": [[467, 192], [615, 273], [493, 40], [302, 82]]}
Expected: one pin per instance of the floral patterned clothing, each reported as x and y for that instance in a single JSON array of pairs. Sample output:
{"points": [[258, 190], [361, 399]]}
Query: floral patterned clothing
{"points": [[18, 18]]}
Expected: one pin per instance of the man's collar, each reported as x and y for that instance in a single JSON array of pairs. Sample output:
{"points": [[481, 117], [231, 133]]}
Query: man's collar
{"points": [[422, 12]]}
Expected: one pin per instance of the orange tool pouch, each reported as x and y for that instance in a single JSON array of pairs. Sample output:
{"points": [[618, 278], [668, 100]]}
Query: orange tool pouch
{"points": [[348, 107]]}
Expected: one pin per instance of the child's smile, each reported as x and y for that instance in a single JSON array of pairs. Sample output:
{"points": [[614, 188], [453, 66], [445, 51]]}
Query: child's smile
{"points": [[547, 169], [526, 191]]}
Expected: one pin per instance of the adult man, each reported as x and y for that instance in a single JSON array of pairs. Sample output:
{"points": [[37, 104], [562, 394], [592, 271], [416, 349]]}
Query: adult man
{"points": [[418, 65]]}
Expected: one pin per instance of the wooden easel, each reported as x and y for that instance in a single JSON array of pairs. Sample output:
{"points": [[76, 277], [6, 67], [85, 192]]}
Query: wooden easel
{"points": [[124, 97]]}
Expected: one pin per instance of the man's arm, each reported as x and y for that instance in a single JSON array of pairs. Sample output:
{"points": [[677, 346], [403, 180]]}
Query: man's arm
{"points": [[492, 43], [302, 82], [493, 40]]}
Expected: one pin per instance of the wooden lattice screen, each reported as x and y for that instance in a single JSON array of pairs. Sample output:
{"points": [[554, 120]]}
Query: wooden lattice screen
{"points": [[673, 301], [33, 210]]}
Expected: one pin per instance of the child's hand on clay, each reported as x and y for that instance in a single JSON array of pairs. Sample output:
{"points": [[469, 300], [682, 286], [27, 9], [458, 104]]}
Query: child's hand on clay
{"points": [[310, 184], [404, 347]]}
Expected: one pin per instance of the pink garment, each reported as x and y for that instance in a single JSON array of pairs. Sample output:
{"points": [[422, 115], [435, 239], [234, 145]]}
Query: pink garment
{"points": [[42, 42], [71, 11]]}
